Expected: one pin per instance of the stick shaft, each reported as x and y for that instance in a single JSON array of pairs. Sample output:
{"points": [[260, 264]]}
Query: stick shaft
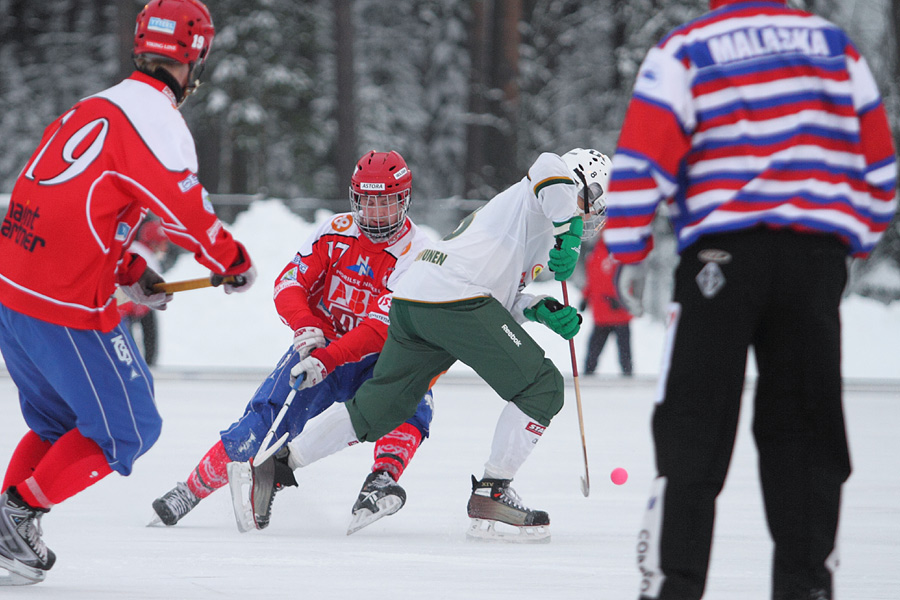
{"points": [[587, 476], [265, 450], [170, 287]]}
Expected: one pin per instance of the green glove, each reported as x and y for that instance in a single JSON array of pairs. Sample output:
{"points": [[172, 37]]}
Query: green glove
{"points": [[562, 319], [564, 255]]}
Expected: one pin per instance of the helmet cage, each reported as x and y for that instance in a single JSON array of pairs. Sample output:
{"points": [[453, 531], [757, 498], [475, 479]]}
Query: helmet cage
{"points": [[380, 216], [380, 194]]}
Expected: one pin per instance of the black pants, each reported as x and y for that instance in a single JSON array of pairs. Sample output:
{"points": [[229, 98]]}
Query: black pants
{"points": [[598, 340], [779, 292]]}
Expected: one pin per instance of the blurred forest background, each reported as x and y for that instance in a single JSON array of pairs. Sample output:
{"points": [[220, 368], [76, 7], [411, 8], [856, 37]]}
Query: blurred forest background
{"points": [[468, 91]]}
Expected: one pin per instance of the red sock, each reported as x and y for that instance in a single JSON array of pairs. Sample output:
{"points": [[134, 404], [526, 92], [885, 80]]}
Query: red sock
{"points": [[72, 463], [25, 459], [210, 473], [394, 450]]}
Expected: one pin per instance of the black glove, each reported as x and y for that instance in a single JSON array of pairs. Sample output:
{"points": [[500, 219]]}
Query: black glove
{"points": [[142, 292], [236, 283]]}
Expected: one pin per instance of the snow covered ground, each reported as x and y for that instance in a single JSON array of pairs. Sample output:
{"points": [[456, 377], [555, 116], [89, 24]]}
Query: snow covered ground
{"points": [[216, 349], [105, 550]]}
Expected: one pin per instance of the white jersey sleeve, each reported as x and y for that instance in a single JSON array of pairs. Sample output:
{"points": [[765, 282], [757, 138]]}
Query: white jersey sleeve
{"points": [[500, 248]]}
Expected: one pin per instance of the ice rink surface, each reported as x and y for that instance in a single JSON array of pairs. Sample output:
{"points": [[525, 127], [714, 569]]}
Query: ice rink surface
{"points": [[105, 550]]}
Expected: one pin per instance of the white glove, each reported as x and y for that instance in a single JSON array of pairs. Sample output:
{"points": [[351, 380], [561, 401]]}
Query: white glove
{"points": [[307, 339], [630, 285], [141, 291], [312, 368]]}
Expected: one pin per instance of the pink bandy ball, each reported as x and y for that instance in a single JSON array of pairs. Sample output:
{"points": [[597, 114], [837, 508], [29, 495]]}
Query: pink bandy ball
{"points": [[619, 476]]}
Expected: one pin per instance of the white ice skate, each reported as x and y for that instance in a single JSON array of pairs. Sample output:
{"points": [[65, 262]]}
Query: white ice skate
{"points": [[240, 482], [498, 514], [253, 488]]}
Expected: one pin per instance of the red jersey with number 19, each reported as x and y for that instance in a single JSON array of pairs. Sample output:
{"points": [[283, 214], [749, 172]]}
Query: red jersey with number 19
{"points": [[77, 205]]}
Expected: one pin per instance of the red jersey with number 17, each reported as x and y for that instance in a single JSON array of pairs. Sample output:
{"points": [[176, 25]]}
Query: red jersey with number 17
{"points": [[77, 205], [344, 282]]}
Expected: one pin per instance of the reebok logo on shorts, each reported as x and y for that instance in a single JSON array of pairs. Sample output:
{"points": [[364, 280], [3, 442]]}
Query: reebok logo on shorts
{"points": [[511, 335]]}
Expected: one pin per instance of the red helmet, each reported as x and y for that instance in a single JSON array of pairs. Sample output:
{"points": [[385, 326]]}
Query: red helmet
{"points": [[181, 30], [379, 194]]}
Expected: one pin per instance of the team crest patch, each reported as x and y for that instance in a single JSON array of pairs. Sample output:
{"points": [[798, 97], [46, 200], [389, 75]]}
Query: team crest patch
{"points": [[535, 428], [535, 271], [710, 279], [341, 223], [384, 303], [122, 231], [362, 268]]}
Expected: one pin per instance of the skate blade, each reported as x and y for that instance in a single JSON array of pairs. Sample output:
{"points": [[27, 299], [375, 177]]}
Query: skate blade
{"points": [[487, 530], [240, 481], [156, 521], [19, 573], [365, 517]]}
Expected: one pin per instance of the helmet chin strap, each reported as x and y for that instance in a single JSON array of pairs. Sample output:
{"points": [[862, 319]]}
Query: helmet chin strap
{"points": [[194, 74], [584, 192]]}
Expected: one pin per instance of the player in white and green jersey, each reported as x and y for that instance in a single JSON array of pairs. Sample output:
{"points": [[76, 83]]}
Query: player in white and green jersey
{"points": [[462, 299]]}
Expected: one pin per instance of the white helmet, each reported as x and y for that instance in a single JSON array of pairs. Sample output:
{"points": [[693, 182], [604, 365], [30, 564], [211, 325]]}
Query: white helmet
{"points": [[592, 169]]}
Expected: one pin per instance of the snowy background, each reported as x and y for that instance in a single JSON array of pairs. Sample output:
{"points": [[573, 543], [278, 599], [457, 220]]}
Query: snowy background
{"points": [[205, 329], [215, 351]]}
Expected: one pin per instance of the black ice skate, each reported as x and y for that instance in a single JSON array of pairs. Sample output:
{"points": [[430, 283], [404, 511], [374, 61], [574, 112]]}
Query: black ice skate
{"points": [[379, 497], [173, 505], [22, 551], [494, 502], [253, 488]]}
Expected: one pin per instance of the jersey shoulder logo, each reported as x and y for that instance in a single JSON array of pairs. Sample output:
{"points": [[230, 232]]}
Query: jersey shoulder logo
{"points": [[342, 223]]}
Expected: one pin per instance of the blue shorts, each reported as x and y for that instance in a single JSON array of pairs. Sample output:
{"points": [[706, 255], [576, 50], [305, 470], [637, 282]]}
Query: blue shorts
{"points": [[244, 437], [68, 378]]}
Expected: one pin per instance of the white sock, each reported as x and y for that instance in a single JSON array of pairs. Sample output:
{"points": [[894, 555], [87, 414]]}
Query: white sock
{"points": [[323, 435], [514, 439]]}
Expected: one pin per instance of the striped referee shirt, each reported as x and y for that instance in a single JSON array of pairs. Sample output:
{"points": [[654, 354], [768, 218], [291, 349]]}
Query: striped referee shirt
{"points": [[753, 115]]}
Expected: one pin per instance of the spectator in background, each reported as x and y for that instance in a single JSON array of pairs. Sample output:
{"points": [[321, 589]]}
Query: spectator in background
{"points": [[610, 316]]}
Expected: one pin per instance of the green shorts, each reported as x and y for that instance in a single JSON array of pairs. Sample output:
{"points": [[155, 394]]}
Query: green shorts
{"points": [[425, 339]]}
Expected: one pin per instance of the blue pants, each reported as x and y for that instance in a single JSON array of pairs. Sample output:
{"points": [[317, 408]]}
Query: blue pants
{"points": [[244, 437], [94, 381]]}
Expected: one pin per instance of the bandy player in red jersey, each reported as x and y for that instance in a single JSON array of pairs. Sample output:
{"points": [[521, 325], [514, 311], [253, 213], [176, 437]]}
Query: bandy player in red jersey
{"points": [[334, 295], [85, 392]]}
